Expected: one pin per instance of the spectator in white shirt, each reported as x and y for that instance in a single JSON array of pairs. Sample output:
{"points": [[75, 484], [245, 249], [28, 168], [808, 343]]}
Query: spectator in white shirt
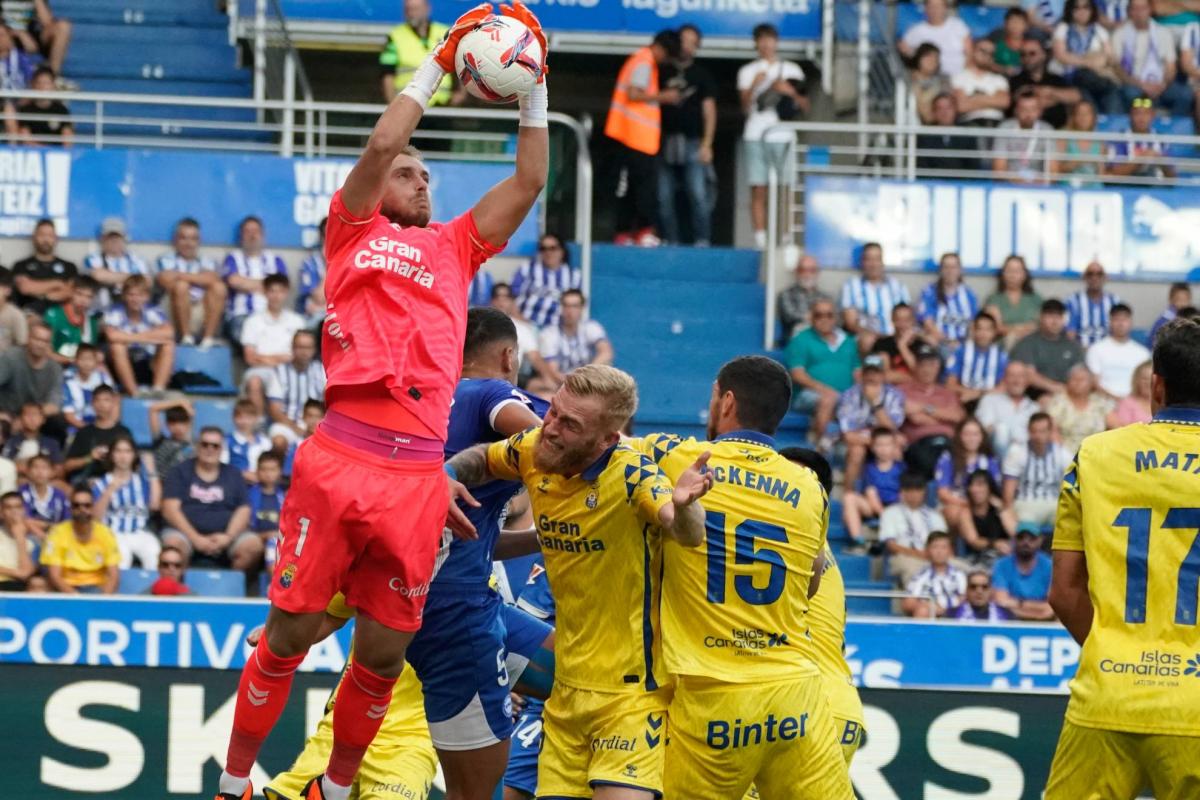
{"points": [[267, 340], [1114, 358], [949, 33], [1005, 412], [195, 287], [1143, 55], [1033, 473], [575, 341], [939, 587], [867, 299], [982, 94], [904, 528]]}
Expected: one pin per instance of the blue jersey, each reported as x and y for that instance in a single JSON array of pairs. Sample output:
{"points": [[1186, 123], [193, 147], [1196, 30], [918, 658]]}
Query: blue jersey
{"points": [[472, 415], [128, 507], [264, 508], [52, 507], [521, 774]]}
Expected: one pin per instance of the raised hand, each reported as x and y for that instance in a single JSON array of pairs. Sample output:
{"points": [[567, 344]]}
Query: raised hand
{"points": [[444, 53], [694, 482], [520, 12]]}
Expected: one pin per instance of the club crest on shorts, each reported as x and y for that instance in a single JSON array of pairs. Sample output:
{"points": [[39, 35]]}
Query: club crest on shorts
{"points": [[287, 576]]}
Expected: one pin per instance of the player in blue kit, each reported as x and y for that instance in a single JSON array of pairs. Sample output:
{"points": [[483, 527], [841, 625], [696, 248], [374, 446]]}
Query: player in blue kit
{"points": [[472, 651], [520, 779]]}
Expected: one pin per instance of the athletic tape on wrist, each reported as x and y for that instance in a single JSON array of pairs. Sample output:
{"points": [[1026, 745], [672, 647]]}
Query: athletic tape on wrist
{"points": [[424, 82], [534, 107]]}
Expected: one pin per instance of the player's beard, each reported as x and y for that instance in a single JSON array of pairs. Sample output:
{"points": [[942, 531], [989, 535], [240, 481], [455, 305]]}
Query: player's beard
{"points": [[416, 215], [567, 461]]}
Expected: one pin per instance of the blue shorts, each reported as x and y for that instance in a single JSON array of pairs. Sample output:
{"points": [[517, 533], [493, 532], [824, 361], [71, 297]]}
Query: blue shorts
{"points": [[523, 751], [469, 653]]}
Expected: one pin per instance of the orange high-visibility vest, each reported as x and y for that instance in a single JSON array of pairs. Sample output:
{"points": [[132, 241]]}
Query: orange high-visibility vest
{"points": [[638, 126]]}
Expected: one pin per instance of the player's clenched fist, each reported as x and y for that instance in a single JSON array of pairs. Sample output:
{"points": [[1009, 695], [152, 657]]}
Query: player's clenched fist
{"points": [[444, 53], [520, 12]]}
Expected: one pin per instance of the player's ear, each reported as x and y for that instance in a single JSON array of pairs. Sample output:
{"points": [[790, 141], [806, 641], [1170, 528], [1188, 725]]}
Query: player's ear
{"points": [[1158, 393]]}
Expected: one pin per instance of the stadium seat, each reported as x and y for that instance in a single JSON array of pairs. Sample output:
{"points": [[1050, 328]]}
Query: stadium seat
{"points": [[135, 415], [216, 582], [213, 412], [136, 581], [854, 567], [215, 362]]}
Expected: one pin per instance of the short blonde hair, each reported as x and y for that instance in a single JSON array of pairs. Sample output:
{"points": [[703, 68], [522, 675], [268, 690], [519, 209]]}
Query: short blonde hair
{"points": [[616, 389]]}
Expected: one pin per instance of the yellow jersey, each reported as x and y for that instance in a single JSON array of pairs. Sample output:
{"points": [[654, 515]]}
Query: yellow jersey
{"points": [[734, 607], [602, 546], [1131, 503], [406, 714], [83, 563]]}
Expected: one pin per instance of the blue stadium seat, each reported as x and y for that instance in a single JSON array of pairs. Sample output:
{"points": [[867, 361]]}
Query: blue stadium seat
{"points": [[216, 582], [213, 412], [854, 567], [136, 581], [1141, 336], [216, 362], [135, 415]]}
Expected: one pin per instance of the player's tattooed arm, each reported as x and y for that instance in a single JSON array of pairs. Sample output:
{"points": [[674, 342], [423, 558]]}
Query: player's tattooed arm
{"points": [[470, 467]]}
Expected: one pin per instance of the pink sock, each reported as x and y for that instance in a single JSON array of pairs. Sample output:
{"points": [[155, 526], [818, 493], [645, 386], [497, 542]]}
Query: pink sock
{"points": [[362, 702], [262, 696]]}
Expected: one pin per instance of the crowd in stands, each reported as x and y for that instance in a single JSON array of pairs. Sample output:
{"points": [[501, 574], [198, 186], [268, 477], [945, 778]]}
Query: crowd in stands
{"points": [[33, 48], [81, 501], [956, 418]]}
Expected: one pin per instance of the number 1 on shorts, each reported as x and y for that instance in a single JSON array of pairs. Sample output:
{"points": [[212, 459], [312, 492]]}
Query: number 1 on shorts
{"points": [[304, 523]]}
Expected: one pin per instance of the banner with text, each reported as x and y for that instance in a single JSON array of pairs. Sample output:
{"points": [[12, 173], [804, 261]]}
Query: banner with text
{"points": [[153, 189], [1132, 231]]}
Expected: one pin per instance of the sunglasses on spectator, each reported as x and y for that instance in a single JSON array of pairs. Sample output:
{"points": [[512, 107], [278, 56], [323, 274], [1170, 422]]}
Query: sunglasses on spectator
{"points": [[822, 314], [545, 247], [214, 445], [1143, 102], [978, 585], [1093, 274]]}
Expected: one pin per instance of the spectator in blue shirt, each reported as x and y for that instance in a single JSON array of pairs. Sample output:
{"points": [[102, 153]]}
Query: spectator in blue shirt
{"points": [[538, 284], [868, 299], [879, 487], [79, 382], [869, 404], [266, 501], [310, 296], [1178, 298], [947, 307], [141, 342], [45, 505], [245, 443], [113, 263], [978, 364], [244, 270], [28, 440], [1022, 580], [970, 451], [1089, 309], [822, 359]]}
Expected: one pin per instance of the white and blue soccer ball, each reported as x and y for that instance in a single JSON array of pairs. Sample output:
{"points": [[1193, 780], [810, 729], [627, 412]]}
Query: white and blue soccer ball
{"points": [[499, 60]]}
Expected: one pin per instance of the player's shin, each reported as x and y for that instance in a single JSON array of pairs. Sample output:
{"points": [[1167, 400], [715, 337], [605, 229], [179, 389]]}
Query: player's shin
{"points": [[362, 703], [262, 694]]}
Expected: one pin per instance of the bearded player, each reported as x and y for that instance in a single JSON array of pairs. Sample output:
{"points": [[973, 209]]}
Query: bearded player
{"points": [[366, 509]]}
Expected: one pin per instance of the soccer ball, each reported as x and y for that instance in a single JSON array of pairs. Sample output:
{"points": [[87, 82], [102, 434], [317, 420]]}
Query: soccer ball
{"points": [[499, 60]]}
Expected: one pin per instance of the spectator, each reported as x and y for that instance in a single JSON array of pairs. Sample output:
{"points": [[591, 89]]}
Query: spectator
{"points": [[291, 386], [938, 587], [1144, 156], [407, 46], [763, 85], [43, 279], [930, 413], [969, 452], [80, 383], [8, 469], [45, 504], [314, 412], [114, 263], [194, 285], [245, 443], [245, 270], [1033, 474], [527, 334], [1090, 308], [575, 341], [879, 487], [1049, 352], [1005, 412], [28, 440], [141, 344], [71, 322], [1178, 297], [976, 367], [28, 375], [948, 32], [947, 306], [479, 293], [868, 299], [310, 297], [981, 94], [89, 448], [990, 533], [1189, 62], [16, 71], [822, 360], [14, 330], [1008, 40], [1022, 579], [44, 123], [1136, 406], [687, 147], [267, 340], [266, 501], [1112, 14], [1014, 304], [1143, 55], [1081, 54], [899, 349], [172, 570], [927, 80], [1043, 15], [1025, 158], [16, 566], [869, 404], [905, 527], [126, 495], [978, 606], [81, 555], [960, 151], [1080, 161], [634, 125], [538, 285], [39, 31], [1078, 411], [207, 511], [175, 446], [1053, 92], [1114, 358], [794, 304]]}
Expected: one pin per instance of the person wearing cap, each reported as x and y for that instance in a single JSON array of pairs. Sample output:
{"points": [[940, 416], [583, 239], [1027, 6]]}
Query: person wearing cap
{"points": [[931, 411], [869, 404], [1005, 411], [1022, 579], [112, 263], [1033, 473], [794, 304], [1048, 351], [821, 359]]}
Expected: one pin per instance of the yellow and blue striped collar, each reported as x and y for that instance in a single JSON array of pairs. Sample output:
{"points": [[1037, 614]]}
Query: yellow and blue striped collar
{"points": [[748, 437]]}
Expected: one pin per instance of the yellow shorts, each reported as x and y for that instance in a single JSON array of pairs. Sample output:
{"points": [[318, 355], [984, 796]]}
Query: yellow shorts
{"points": [[1095, 764], [598, 738], [779, 736]]}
